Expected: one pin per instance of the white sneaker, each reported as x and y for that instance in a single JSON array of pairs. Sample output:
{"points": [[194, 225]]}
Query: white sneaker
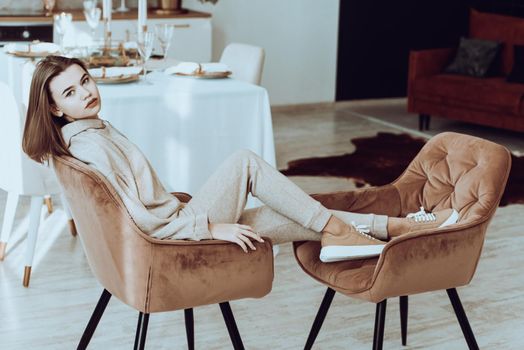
{"points": [[422, 220]]}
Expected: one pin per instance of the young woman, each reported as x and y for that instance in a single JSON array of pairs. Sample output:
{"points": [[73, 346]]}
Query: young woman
{"points": [[62, 119]]}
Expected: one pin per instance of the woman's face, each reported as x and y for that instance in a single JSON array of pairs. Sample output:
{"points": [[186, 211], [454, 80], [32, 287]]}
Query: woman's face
{"points": [[75, 95]]}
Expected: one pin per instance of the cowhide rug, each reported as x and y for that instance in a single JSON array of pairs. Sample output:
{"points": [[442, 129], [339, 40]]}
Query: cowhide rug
{"points": [[380, 159]]}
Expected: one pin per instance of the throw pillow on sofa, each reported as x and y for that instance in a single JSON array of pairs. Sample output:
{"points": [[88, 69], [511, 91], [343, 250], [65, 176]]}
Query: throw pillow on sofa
{"points": [[474, 57], [517, 72]]}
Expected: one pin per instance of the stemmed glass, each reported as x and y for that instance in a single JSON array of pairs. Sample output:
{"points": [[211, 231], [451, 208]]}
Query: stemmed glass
{"points": [[145, 49], [164, 33], [93, 18], [63, 22], [89, 4], [122, 7], [49, 5]]}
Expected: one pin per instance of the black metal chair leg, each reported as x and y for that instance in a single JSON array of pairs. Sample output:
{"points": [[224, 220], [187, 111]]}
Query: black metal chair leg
{"points": [[462, 318], [93, 321], [423, 121], [190, 332], [231, 326], [428, 119], [141, 331], [380, 318], [319, 319], [404, 318], [137, 334]]}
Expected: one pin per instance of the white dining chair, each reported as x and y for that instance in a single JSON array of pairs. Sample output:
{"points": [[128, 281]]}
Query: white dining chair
{"points": [[21, 176], [245, 61]]}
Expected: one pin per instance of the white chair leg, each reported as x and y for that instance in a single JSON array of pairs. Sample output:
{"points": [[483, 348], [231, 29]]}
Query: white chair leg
{"points": [[9, 218], [34, 223], [70, 221]]}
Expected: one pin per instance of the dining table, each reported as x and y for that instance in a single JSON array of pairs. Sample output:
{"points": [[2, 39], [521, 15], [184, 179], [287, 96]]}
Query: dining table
{"points": [[185, 126]]}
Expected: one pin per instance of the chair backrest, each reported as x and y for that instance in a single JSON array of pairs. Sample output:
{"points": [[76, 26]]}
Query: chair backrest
{"points": [[245, 61], [456, 171], [505, 29], [117, 251], [22, 175]]}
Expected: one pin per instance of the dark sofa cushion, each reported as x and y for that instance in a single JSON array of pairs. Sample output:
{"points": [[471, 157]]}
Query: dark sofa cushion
{"points": [[517, 72], [490, 94], [474, 57], [506, 29]]}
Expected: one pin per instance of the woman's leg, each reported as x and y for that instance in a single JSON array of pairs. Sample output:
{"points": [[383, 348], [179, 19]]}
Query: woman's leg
{"points": [[268, 223], [223, 197]]}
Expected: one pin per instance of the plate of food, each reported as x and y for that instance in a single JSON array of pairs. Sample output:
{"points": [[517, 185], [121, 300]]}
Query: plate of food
{"points": [[31, 50], [200, 70], [115, 75]]}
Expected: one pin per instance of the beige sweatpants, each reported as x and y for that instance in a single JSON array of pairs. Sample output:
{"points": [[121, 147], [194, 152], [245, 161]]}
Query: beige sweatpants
{"points": [[289, 214]]}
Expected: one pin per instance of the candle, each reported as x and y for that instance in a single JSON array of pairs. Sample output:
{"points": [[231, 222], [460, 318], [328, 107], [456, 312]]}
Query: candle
{"points": [[106, 13], [106, 9], [142, 16]]}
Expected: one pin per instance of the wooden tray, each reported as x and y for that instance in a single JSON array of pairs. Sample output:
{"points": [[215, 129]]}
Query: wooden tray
{"points": [[214, 75], [120, 79]]}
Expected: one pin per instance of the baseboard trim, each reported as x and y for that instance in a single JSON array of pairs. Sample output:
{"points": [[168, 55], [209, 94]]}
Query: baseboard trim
{"points": [[305, 107], [302, 107]]}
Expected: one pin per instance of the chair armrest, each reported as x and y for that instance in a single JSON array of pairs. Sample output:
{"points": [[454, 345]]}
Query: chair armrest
{"points": [[425, 63], [207, 272], [428, 62], [383, 200], [182, 196], [428, 260]]}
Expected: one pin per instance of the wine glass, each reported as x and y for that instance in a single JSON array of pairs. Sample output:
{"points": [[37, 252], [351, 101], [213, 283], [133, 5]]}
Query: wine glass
{"points": [[49, 5], [63, 22], [164, 33], [145, 49], [122, 7], [89, 4], [93, 18]]}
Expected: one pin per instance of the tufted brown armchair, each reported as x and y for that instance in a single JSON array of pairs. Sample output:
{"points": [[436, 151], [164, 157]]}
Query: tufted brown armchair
{"points": [[153, 275], [451, 171]]}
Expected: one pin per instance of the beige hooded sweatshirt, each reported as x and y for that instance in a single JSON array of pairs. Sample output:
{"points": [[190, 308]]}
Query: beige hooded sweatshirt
{"points": [[155, 211]]}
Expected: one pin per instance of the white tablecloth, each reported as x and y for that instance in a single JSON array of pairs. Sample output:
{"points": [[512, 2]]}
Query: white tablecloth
{"points": [[186, 127], [11, 72]]}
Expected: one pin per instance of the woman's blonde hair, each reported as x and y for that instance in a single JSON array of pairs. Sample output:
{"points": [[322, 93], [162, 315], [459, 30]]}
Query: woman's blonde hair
{"points": [[42, 136]]}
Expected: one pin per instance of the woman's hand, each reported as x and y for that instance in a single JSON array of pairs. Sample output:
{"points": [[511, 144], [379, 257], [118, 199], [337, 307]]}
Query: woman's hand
{"points": [[235, 233]]}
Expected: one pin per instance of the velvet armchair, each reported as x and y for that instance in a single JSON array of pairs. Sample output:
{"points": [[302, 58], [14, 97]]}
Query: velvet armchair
{"points": [[153, 275], [451, 171]]}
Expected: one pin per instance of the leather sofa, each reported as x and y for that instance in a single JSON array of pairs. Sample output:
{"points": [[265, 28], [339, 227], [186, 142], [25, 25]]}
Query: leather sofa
{"points": [[490, 101]]}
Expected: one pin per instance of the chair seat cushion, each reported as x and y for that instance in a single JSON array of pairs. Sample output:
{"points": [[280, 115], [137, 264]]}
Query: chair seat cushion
{"points": [[488, 94], [348, 277]]}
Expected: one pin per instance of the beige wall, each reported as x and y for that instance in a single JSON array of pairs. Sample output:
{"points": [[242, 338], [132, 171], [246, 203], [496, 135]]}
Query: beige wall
{"points": [[299, 36]]}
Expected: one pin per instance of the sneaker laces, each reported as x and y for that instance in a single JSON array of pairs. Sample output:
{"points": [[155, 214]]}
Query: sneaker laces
{"points": [[362, 229], [422, 216]]}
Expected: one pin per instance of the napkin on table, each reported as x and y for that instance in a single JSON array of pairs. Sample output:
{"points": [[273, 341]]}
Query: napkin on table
{"points": [[36, 47], [193, 68], [113, 71]]}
